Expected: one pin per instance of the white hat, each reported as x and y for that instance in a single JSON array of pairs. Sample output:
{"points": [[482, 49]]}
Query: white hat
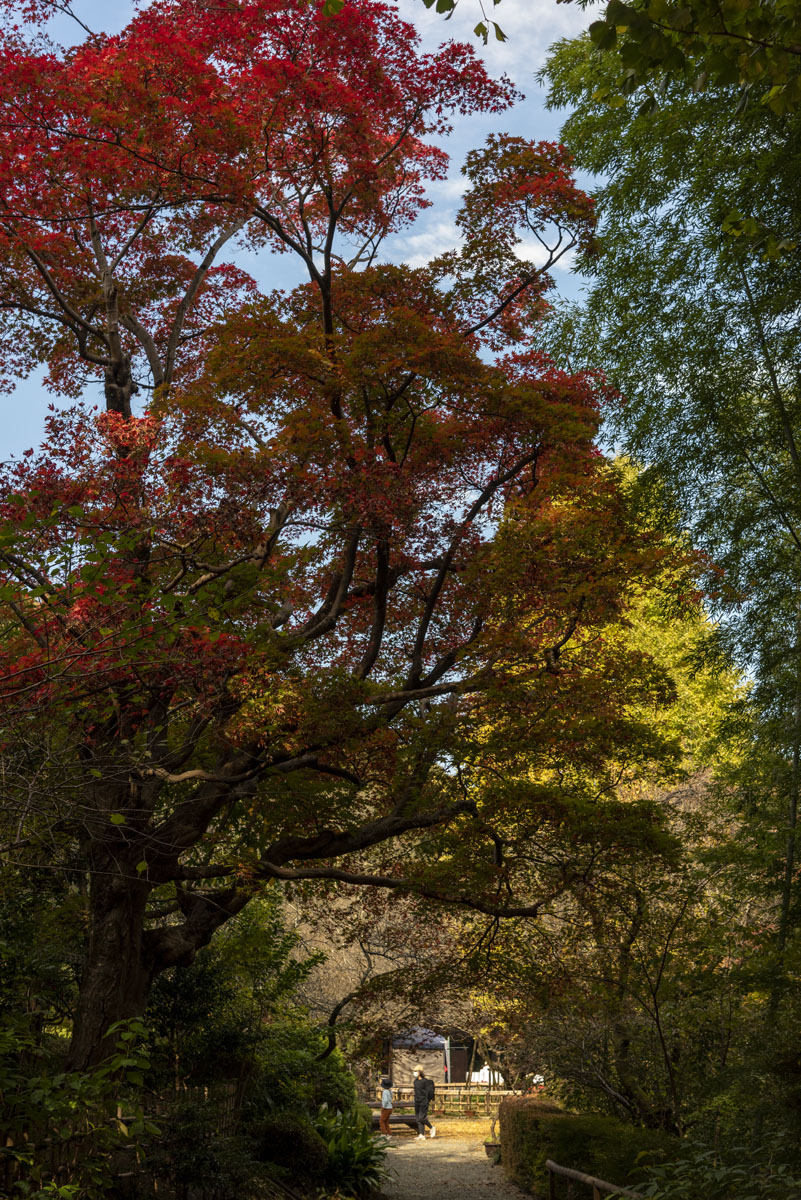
{"points": [[419, 1070]]}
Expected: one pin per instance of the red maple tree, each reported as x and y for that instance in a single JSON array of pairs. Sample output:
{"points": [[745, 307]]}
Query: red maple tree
{"points": [[251, 632]]}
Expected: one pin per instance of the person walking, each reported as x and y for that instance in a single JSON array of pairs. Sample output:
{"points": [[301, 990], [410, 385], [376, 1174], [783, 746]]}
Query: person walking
{"points": [[386, 1106], [423, 1095]]}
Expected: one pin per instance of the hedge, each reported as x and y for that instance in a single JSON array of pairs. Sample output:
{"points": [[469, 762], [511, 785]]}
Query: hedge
{"points": [[533, 1131]]}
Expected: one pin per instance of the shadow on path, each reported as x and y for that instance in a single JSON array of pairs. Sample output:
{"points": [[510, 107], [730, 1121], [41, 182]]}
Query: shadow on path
{"points": [[451, 1167]]}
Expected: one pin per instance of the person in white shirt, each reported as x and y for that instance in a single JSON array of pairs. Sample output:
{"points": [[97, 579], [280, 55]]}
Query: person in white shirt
{"points": [[386, 1106]]}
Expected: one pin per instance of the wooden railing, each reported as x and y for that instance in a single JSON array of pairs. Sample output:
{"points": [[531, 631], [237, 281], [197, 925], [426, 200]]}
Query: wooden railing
{"points": [[597, 1185]]}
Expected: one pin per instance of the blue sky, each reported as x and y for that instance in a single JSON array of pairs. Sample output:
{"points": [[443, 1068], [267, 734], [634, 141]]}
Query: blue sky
{"points": [[531, 26]]}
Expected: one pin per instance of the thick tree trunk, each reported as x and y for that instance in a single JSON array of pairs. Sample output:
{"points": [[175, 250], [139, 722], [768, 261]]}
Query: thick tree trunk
{"points": [[120, 387], [116, 976]]}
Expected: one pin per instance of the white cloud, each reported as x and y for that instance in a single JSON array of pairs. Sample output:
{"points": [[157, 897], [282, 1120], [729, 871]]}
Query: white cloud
{"points": [[432, 237], [530, 250], [531, 26]]}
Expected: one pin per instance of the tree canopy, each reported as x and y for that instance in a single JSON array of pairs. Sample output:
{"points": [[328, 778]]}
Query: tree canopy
{"points": [[249, 630]]}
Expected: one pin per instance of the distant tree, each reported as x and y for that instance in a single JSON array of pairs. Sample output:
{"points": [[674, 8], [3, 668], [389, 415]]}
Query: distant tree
{"points": [[693, 310], [629, 992]]}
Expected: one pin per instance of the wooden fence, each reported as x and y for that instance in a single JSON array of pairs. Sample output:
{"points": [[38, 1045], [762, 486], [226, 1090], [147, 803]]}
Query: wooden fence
{"points": [[454, 1099], [225, 1097], [58, 1156]]}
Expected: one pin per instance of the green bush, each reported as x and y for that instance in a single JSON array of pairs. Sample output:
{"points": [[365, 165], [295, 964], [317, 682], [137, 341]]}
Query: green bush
{"points": [[290, 1141], [235, 1006], [194, 1159], [356, 1159], [533, 1131], [60, 1134], [288, 1075], [700, 1171]]}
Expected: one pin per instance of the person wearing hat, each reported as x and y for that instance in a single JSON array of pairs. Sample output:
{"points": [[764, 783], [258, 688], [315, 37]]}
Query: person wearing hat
{"points": [[423, 1095], [386, 1106]]}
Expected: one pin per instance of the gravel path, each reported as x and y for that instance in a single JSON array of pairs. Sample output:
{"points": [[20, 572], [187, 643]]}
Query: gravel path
{"points": [[451, 1167]]}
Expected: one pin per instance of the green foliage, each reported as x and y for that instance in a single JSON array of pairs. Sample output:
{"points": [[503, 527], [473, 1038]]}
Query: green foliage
{"points": [[753, 45], [41, 935], [196, 1154], [697, 328], [693, 312], [53, 1119], [234, 1006], [532, 1132], [742, 1173], [356, 1158], [289, 1076], [628, 1002], [233, 1015], [290, 1141]]}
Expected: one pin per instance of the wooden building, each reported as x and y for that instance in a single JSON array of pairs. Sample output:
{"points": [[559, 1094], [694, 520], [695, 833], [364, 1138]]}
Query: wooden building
{"points": [[443, 1057]]}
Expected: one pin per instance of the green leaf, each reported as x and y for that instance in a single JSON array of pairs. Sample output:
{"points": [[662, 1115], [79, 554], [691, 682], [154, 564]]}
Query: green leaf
{"points": [[141, 866], [618, 13], [602, 35], [117, 819], [628, 84]]}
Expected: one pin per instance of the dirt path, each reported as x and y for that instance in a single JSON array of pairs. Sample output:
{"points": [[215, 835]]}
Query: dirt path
{"points": [[453, 1165]]}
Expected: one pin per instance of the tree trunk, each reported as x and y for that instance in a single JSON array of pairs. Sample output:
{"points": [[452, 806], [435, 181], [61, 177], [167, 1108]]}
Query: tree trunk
{"points": [[120, 387], [116, 977]]}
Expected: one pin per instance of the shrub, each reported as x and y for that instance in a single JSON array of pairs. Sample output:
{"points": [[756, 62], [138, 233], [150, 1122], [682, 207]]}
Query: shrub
{"points": [[700, 1171], [234, 1008], [356, 1159], [288, 1076], [194, 1159], [59, 1131], [290, 1141], [533, 1131]]}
